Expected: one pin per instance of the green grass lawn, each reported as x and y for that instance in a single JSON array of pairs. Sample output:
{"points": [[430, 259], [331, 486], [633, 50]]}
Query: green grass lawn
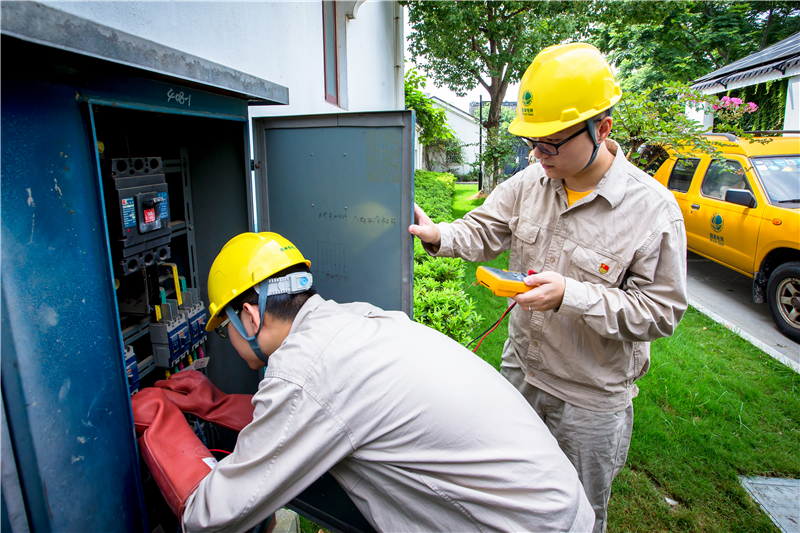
{"points": [[711, 408]]}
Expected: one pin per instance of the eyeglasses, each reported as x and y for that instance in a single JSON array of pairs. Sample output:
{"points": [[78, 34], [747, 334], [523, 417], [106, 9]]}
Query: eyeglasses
{"points": [[222, 329], [551, 148]]}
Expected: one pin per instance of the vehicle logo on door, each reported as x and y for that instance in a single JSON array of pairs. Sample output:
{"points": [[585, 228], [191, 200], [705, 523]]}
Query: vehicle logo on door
{"points": [[717, 222]]}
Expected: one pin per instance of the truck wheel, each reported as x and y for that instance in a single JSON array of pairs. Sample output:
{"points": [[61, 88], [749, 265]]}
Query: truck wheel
{"points": [[783, 293]]}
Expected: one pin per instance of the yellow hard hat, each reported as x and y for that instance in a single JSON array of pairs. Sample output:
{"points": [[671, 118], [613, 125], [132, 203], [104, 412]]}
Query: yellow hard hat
{"points": [[565, 84], [244, 261]]}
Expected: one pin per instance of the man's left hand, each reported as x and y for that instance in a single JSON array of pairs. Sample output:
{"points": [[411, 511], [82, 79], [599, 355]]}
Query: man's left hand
{"points": [[547, 292]]}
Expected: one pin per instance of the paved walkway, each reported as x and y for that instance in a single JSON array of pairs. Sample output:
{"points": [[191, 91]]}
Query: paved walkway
{"points": [[780, 499]]}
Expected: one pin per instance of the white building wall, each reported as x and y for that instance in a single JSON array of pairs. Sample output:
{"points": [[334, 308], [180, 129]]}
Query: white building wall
{"points": [[467, 131], [419, 162], [701, 117], [371, 58], [279, 41]]}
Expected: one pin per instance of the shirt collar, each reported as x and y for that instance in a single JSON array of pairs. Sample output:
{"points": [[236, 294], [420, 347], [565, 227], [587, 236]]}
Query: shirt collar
{"points": [[612, 186], [308, 308]]}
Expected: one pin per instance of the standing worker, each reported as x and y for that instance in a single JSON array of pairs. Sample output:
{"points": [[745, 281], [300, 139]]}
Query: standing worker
{"points": [[421, 434], [609, 245]]}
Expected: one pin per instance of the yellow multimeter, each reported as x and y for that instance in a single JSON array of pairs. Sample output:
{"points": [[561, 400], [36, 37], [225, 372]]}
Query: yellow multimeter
{"points": [[502, 282]]}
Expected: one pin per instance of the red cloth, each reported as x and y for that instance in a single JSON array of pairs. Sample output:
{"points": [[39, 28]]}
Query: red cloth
{"points": [[177, 459], [194, 393]]}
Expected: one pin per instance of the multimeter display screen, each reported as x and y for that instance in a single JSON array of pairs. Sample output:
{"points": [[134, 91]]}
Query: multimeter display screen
{"points": [[504, 274]]}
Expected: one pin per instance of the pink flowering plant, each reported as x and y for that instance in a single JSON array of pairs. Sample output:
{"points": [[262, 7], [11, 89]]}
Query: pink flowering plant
{"points": [[728, 111]]}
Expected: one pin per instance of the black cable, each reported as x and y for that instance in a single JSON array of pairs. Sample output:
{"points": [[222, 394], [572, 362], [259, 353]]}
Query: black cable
{"points": [[490, 328]]}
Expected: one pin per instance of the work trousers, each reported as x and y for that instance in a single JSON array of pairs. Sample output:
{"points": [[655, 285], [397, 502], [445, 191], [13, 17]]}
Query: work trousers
{"points": [[596, 443]]}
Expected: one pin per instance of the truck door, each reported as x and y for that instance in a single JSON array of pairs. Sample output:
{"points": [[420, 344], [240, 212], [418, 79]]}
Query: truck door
{"points": [[723, 231], [340, 187]]}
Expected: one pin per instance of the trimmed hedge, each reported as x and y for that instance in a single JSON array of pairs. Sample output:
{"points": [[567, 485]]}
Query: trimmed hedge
{"points": [[439, 298], [433, 192]]}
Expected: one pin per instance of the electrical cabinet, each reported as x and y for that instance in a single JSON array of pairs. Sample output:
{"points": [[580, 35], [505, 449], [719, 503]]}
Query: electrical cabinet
{"points": [[117, 198]]}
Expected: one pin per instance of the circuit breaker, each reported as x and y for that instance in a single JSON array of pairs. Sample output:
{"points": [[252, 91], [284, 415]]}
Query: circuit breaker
{"points": [[137, 191], [170, 336], [194, 311]]}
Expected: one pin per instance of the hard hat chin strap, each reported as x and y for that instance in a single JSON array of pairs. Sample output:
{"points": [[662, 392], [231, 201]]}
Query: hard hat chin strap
{"points": [[252, 340], [291, 284], [590, 125]]}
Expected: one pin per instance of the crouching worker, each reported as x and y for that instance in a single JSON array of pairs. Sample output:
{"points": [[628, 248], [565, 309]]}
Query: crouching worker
{"points": [[420, 433]]}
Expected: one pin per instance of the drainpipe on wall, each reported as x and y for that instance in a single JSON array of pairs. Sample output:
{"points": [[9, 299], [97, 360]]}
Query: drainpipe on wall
{"points": [[399, 53]]}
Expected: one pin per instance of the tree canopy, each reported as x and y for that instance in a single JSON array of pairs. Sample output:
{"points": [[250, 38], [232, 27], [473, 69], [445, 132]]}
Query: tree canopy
{"points": [[466, 44], [656, 47], [486, 43], [652, 43]]}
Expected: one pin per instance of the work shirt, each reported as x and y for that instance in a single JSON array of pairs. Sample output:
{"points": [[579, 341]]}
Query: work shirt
{"points": [[622, 250], [422, 434]]}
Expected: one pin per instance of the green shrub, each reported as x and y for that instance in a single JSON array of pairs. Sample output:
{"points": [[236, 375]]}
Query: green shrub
{"points": [[433, 192], [439, 298], [470, 176], [443, 305]]}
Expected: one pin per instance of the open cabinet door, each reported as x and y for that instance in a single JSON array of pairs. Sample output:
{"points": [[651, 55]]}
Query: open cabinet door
{"points": [[341, 187]]}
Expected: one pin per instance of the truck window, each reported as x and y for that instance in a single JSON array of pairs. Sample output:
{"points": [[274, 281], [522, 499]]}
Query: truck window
{"points": [[681, 176], [722, 176]]}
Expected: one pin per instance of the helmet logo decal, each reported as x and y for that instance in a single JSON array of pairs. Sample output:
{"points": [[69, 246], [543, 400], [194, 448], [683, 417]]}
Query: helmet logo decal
{"points": [[717, 221], [527, 98], [290, 247]]}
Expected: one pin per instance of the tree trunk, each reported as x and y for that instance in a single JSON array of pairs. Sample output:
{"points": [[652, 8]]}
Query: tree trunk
{"points": [[766, 27], [497, 91]]}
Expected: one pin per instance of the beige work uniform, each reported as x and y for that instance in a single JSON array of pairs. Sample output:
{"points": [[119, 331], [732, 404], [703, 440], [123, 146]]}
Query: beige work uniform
{"points": [[622, 250], [422, 434]]}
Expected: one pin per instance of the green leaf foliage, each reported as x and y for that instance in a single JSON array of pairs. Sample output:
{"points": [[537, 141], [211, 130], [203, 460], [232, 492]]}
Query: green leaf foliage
{"points": [[500, 145], [652, 43], [439, 298], [433, 192], [462, 45], [770, 97], [648, 123], [432, 119]]}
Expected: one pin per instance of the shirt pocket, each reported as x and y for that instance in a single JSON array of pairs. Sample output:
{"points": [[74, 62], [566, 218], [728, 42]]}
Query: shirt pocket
{"points": [[523, 244], [593, 266]]}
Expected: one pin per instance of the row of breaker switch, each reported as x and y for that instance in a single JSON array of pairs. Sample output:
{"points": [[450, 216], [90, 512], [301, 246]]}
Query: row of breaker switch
{"points": [[180, 329]]}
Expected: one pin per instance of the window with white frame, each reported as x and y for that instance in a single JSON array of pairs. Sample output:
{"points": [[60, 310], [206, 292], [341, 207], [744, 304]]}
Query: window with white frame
{"points": [[330, 51]]}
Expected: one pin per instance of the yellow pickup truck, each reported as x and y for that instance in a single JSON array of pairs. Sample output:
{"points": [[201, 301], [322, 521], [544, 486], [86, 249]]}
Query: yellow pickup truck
{"points": [[744, 213]]}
